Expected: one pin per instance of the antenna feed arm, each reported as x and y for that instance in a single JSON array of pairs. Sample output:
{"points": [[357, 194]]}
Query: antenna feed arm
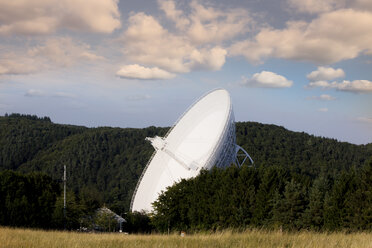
{"points": [[160, 145]]}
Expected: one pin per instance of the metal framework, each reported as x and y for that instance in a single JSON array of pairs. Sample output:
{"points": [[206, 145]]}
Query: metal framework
{"points": [[241, 158]]}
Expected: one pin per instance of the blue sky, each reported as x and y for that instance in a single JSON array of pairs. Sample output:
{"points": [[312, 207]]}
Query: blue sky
{"points": [[302, 64]]}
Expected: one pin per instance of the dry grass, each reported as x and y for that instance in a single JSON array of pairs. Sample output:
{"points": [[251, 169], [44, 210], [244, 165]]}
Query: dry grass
{"points": [[253, 238]]}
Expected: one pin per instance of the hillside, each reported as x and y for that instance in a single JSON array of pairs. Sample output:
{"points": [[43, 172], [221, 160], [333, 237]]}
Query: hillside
{"points": [[108, 161]]}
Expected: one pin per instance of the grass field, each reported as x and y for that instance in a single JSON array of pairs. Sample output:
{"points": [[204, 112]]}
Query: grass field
{"points": [[18, 238]]}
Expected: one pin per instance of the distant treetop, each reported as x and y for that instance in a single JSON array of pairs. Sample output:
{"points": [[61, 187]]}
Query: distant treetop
{"points": [[29, 117]]}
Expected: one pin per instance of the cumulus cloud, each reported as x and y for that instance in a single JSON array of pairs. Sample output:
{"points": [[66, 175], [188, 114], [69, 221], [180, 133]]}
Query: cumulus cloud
{"points": [[322, 6], [148, 43], [206, 24], [12, 64], [139, 72], [210, 59], [194, 44], [356, 86], [52, 53], [63, 51], [211, 25], [315, 6], [172, 13], [325, 73], [46, 16], [323, 97], [330, 37], [267, 79]]}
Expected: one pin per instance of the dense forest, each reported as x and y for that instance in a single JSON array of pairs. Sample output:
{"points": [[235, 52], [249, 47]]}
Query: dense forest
{"points": [[273, 198], [104, 164], [23, 196]]}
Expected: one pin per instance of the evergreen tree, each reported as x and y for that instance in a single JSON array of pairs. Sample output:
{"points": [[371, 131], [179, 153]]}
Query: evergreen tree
{"points": [[288, 210], [27, 200], [74, 212], [314, 214], [272, 181]]}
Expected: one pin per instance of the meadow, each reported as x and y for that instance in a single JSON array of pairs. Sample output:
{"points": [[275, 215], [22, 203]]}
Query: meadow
{"points": [[17, 238]]}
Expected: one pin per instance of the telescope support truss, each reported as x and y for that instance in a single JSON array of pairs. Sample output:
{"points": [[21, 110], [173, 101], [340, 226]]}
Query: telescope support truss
{"points": [[241, 156]]}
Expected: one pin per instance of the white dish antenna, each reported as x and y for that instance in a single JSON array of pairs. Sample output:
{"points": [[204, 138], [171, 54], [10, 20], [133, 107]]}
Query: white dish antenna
{"points": [[203, 137]]}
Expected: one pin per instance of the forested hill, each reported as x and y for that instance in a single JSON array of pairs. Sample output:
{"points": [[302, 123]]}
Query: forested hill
{"points": [[107, 162]]}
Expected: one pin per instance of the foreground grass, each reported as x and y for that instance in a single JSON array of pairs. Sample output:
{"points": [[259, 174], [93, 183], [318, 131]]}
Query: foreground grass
{"points": [[253, 238]]}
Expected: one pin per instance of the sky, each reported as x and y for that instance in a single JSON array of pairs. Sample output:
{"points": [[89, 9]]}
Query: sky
{"points": [[302, 64]]}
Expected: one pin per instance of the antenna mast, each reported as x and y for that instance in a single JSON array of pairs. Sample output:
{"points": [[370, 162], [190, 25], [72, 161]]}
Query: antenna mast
{"points": [[64, 195]]}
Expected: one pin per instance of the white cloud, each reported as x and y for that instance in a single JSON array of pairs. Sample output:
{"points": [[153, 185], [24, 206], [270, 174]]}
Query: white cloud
{"points": [[206, 24], [212, 25], [139, 72], [46, 16], [16, 64], [41, 93], [35, 93], [322, 84], [325, 73], [146, 42], [329, 38], [315, 6], [267, 79], [50, 54], [323, 97], [177, 16], [63, 51], [210, 59], [323, 110], [356, 86], [194, 44], [322, 6]]}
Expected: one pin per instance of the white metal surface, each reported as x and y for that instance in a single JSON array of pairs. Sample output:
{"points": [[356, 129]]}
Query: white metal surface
{"points": [[203, 137]]}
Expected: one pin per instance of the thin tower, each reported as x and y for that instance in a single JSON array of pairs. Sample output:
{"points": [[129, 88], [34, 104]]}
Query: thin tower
{"points": [[64, 195]]}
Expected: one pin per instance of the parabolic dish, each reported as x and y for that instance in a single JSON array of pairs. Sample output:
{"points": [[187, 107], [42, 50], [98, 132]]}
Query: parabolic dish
{"points": [[202, 138]]}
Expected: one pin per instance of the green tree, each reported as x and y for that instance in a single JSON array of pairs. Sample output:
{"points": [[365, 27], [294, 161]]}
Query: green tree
{"points": [[27, 200], [314, 214], [288, 210], [336, 212], [74, 212], [272, 180], [137, 222]]}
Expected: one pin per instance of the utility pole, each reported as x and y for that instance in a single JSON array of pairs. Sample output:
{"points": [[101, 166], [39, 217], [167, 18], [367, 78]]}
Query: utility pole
{"points": [[64, 196]]}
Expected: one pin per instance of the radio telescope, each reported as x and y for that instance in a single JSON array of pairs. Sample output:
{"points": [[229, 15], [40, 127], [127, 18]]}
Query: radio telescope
{"points": [[203, 137]]}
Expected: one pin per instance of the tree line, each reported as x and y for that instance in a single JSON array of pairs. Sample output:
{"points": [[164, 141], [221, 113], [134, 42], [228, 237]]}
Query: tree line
{"points": [[267, 197], [104, 163], [35, 200]]}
